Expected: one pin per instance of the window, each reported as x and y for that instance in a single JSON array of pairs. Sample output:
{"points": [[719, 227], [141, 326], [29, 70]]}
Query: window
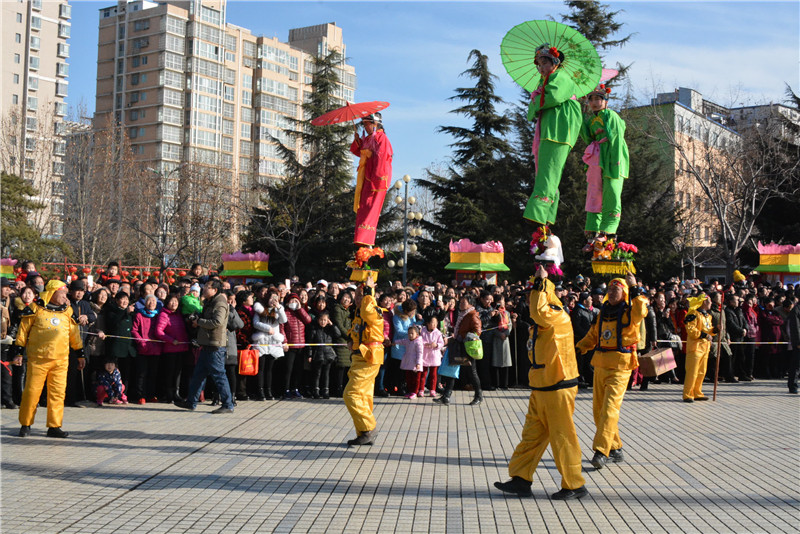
{"points": [[61, 89], [247, 115], [17, 59], [121, 32], [230, 56], [33, 83], [36, 22], [16, 79], [206, 103], [206, 50], [35, 43], [245, 148], [18, 38], [227, 144], [170, 151], [177, 26], [212, 16], [175, 44], [58, 168], [133, 133], [170, 115], [59, 148], [142, 42], [141, 25], [207, 85], [249, 48], [205, 120], [62, 69], [227, 127], [171, 133], [174, 98], [228, 110], [31, 123], [247, 98], [173, 61], [245, 131], [230, 42], [33, 103], [36, 4], [63, 50], [15, 99], [64, 30], [230, 76], [134, 79], [30, 143], [204, 138], [229, 93], [172, 79], [19, 17], [65, 11]]}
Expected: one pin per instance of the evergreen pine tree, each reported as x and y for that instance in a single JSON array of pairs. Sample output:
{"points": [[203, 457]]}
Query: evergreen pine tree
{"points": [[306, 220], [479, 197]]}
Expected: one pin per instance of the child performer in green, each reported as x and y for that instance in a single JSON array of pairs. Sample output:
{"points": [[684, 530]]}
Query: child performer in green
{"points": [[558, 123], [608, 161]]}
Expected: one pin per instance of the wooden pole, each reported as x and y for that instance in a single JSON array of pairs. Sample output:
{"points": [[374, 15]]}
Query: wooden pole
{"points": [[719, 350]]}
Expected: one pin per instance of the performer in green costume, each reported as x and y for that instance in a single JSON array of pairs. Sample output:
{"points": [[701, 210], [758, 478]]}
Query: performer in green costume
{"points": [[558, 123], [609, 162]]}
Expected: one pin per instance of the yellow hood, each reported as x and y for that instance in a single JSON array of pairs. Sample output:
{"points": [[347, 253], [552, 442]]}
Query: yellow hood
{"points": [[51, 287]]}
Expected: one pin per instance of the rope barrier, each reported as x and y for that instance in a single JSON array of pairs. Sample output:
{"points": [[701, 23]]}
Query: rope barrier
{"points": [[732, 342]]}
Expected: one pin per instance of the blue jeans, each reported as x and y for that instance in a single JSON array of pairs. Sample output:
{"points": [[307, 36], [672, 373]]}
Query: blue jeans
{"points": [[211, 361]]}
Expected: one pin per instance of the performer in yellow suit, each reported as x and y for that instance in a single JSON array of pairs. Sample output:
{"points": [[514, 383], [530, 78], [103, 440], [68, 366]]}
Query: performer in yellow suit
{"points": [[48, 334], [554, 379], [613, 336], [698, 344], [366, 334]]}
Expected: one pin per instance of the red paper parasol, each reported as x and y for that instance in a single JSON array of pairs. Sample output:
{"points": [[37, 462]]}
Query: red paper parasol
{"points": [[350, 112]]}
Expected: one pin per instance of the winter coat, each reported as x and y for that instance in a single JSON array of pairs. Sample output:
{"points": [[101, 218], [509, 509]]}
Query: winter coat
{"points": [[140, 305], [118, 322], [295, 327], [245, 333], [770, 323], [143, 330], [94, 347], [501, 350], [582, 319], [234, 324], [83, 307], [190, 304], [432, 357], [722, 330], [171, 327], [340, 316], [318, 334], [267, 330], [400, 332], [413, 355], [751, 323], [735, 323], [470, 323], [213, 323]]}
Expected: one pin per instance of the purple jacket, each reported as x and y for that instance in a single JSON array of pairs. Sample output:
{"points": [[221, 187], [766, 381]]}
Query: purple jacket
{"points": [[171, 327], [144, 328]]}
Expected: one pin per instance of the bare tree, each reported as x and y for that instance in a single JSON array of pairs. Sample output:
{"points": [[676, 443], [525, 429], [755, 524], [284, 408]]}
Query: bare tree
{"points": [[736, 171]]}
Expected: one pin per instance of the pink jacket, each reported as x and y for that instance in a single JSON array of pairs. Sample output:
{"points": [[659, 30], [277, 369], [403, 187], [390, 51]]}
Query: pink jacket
{"points": [[171, 327], [413, 355], [432, 357], [144, 328]]}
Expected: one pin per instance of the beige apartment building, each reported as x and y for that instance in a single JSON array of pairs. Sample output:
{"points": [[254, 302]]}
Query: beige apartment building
{"points": [[192, 90], [34, 85]]}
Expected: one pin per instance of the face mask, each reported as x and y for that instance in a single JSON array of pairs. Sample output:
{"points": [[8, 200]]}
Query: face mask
{"points": [[293, 305], [39, 288]]}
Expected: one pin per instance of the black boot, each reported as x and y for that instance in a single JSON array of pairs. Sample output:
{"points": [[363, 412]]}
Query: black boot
{"points": [[315, 393], [444, 400], [477, 399], [259, 396], [517, 485], [268, 394], [364, 438], [324, 393]]}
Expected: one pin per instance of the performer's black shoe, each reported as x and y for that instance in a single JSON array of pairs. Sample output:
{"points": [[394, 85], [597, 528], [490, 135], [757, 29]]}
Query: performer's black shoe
{"points": [[616, 455], [688, 400], [365, 438], [599, 460], [698, 399], [24, 431], [569, 494], [517, 485], [56, 432]]}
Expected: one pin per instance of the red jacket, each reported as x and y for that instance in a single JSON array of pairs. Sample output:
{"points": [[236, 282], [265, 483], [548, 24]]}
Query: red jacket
{"points": [[144, 330], [170, 326], [295, 327]]}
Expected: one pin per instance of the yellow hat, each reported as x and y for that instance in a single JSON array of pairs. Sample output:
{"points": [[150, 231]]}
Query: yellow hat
{"points": [[696, 302], [51, 287], [621, 283], [738, 277]]}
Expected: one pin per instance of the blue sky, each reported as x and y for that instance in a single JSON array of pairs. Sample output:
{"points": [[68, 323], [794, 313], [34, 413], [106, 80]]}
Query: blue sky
{"points": [[411, 53]]}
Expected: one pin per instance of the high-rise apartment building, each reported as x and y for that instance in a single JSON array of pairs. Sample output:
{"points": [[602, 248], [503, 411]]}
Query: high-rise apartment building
{"points": [[191, 89], [32, 92]]}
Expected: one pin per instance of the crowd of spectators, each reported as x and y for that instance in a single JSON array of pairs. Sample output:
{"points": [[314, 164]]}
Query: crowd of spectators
{"points": [[140, 336]]}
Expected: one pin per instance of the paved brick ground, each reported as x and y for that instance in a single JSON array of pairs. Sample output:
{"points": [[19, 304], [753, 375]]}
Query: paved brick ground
{"points": [[729, 466]]}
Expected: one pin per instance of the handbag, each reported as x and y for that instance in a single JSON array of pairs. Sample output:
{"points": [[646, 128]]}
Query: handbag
{"points": [[248, 361], [474, 348], [456, 353]]}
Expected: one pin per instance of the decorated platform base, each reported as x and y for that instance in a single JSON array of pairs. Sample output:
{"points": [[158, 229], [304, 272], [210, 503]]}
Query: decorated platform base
{"points": [[246, 267], [360, 264], [361, 275], [476, 261], [613, 267], [779, 263]]}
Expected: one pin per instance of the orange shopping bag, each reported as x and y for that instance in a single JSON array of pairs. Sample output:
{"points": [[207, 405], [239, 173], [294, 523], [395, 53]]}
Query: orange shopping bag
{"points": [[248, 361]]}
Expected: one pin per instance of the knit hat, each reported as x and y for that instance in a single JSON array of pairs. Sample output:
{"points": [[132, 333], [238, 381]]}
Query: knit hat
{"points": [[195, 287]]}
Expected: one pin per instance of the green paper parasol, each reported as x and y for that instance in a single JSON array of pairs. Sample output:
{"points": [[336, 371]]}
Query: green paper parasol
{"points": [[581, 60]]}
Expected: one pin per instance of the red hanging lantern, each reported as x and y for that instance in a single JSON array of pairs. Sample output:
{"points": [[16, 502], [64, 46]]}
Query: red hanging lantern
{"points": [[181, 273], [135, 272], [171, 281], [170, 272], [73, 277], [125, 274], [156, 273], [145, 273], [73, 269], [86, 270]]}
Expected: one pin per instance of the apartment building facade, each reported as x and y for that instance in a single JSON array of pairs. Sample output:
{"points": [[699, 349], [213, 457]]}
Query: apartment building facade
{"points": [[35, 72], [192, 90]]}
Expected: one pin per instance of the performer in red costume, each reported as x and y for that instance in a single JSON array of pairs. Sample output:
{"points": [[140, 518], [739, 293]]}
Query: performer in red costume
{"points": [[374, 177]]}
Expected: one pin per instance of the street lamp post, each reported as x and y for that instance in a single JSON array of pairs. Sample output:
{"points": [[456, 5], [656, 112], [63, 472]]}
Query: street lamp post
{"points": [[408, 216]]}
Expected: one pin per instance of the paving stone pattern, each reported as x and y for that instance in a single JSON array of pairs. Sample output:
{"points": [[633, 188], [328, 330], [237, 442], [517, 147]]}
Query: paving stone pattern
{"points": [[281, 466]]}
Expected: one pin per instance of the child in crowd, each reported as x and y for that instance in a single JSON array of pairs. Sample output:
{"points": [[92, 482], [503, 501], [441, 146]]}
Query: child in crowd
{"points": [[191, 308], [412, 362], [432, 343], [109, 385], [322, 332]]}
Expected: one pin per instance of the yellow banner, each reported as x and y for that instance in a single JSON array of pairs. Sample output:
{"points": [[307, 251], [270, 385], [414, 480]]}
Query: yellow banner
{"points": [[780, 259], [246, 265], [476, 257]]}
